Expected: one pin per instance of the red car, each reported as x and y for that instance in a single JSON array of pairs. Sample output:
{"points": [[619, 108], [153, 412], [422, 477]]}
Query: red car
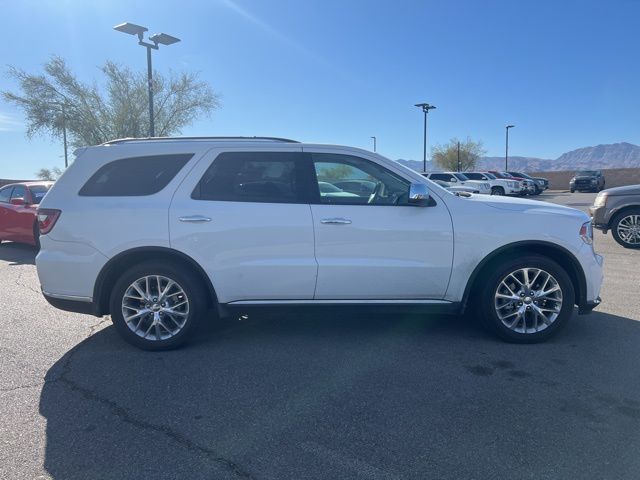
{"points": [[18, 207]]}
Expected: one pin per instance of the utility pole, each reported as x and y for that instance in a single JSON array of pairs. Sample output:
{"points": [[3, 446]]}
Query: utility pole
{"points": [[458, 156], [425, 108], [506, 148], [374, 143]]}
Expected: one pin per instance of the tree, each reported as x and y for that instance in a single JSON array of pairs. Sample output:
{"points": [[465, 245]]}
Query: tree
{"points": [[93, 115], [446, 156], [49, 173]]}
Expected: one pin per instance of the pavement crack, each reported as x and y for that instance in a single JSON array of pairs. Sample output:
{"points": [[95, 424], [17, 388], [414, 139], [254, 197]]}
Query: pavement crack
{"points": [[20, 283], [22, 387], [126, 416]]}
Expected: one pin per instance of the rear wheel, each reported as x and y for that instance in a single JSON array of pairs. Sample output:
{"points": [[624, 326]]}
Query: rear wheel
{"points": [[527, 300], [157, 306], [572, 190], [497, 191], [625, 228]]}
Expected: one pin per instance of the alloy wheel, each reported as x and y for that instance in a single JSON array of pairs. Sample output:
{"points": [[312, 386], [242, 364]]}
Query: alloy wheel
{"points": [[628, 229], [155, 307], [528, 300]]}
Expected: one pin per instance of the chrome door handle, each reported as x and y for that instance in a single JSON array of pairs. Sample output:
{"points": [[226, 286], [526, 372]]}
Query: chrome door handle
{"points": [[336, 221], [194, 219]]}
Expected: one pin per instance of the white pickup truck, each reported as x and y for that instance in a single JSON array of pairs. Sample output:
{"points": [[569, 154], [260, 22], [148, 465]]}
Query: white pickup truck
{"points": [[457, 178], [499, 186]]}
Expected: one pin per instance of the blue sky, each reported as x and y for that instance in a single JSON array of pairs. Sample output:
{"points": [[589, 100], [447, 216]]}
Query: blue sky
{"points": [[566, 73]]}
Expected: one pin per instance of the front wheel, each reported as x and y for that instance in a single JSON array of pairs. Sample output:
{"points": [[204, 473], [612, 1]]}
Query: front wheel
{"points": [[625, 228], [497, 191], [527, 300], [157, 306]]}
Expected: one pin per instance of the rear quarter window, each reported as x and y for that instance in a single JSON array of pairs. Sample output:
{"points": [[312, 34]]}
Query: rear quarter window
{"points": [[134, 176]]}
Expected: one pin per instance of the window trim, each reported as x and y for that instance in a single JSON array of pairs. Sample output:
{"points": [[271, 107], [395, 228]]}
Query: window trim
{"points": [[317, 199]]}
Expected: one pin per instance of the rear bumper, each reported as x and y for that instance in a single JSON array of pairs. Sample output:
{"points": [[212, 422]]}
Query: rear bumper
{"points": [[587, 307], [70, 304]]}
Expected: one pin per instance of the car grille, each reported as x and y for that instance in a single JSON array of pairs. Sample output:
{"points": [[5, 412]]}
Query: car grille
{"points": [[585, 182]]}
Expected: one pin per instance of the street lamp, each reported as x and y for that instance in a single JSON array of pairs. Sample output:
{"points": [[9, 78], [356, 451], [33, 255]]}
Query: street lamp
{"points": [[374, 143], [158, 38], [506, 148], [425, 108]]}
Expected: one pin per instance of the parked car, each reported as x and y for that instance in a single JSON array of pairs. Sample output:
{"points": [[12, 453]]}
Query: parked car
{"points": [[499, 186], [457, 188], [158, 232], [528, 187], [587, 181], [458, 178], [18, 204], [618, 209], [540, 184], [328, 189]]}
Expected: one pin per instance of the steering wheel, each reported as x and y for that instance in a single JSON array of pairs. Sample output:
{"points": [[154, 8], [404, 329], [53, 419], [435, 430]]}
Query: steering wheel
{"points": [[376, 192]]}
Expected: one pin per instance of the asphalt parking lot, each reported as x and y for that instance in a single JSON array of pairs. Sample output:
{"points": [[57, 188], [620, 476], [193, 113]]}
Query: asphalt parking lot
{"points": [[300, 396]]}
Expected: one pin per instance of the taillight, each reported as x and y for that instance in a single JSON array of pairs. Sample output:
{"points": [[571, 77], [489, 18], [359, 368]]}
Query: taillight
{"points": [[47, 218], [586, 233]]}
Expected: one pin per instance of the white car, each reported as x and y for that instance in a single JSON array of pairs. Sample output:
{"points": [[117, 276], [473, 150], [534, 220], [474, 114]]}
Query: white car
{"points": [[499, 186], [158, 232], [456, 188], [458, 178]]}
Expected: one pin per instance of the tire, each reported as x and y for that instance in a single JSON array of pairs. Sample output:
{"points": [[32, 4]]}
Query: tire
{"points": [[530, 327], [572, 190], [497, 191], [157, 329], [626, 218]]}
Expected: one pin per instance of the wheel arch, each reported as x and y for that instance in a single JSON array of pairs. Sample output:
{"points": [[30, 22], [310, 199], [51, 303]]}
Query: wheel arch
{"points": [[116, 265], [555, 252], [620, 210]]}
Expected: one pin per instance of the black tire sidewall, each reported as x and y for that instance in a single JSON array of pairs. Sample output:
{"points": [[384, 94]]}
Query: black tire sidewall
{"points": [[490, 317], [614, 227], [499, 191], [192, 287]]}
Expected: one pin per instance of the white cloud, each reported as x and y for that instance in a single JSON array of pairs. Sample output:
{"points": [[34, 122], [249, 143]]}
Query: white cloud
{"points": [[9, 123]]}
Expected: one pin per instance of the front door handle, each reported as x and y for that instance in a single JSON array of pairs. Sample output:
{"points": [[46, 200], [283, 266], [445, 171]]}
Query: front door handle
{"points": [[335, 221], [194, 219]]}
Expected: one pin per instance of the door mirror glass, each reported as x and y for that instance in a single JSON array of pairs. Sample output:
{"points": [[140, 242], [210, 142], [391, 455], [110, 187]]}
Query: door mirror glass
{"points": [[419, 194], [453, 179], [18, 201]]}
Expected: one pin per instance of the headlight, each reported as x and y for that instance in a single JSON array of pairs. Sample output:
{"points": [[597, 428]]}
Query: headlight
{"points": [[601, 200], [586, 233]]}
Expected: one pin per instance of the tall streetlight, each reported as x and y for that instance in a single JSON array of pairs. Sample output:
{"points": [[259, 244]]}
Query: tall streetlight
{"points": [[374, 143], [158, 38], [506, 148], [425, 108]]}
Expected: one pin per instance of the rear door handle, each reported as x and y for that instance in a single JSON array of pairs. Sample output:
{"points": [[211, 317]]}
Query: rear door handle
{"points": [[194, 219], [335, 221]]}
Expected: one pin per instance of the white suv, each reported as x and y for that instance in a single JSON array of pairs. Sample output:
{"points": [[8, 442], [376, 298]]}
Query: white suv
{"points": [[158, 232], [499, 186], [458, 178]]}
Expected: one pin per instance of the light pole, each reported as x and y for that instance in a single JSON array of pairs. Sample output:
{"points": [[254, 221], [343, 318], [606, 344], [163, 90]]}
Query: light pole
{"points": [[374, 143], [158, 38], [425, 108], [506, 148]]}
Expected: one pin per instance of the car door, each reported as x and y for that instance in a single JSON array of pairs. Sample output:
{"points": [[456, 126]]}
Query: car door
{"points": [[244, 216], [22, 217], [376, 245], [5, 212]]}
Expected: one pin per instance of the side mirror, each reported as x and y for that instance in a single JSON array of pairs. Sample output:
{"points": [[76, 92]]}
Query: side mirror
{"points": [[18, 201], [453, 180], [418, 195]]}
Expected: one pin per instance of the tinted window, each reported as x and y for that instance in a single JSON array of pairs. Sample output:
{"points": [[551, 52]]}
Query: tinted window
{"points": [[19, 191], [5, 194], [135, 176], [461, 176], [440, 176], [269, 177], [475, 176], [345, 179], [38, 192]]}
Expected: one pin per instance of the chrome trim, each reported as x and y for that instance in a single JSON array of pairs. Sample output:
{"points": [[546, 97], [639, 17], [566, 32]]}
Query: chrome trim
{"points": [[61, 296], [194, 219], [342, 302], [335, 221]]}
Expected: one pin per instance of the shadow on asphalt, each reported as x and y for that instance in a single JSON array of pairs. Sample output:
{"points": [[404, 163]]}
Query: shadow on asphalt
{"points": [[18, 253], [349, 397]]}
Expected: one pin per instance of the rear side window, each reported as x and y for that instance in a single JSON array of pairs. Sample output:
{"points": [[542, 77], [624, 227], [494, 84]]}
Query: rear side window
{"points": [[269, 177], [5, 194], [38, 192], [19, 191], [135, 176]]}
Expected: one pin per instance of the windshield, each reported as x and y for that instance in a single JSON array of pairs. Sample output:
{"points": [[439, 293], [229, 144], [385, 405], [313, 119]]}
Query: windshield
{"points": [[461, 176], [586, 173], [521, 175], [38, 192]]}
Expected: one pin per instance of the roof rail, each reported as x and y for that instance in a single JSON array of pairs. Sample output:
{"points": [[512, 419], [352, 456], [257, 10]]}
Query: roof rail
{"points": [[155, 139]]}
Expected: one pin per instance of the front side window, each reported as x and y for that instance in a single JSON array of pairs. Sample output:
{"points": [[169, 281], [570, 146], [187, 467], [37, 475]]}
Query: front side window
{"points": [[135, 176], [5, 194], [268, 177], [38, 192], [445, 177], [461, 176], [19, 191], [475, 176], [345, 179]]}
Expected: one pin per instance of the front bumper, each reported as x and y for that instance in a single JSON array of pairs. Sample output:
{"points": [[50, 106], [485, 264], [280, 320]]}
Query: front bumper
{"points": [[599, 218]]}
